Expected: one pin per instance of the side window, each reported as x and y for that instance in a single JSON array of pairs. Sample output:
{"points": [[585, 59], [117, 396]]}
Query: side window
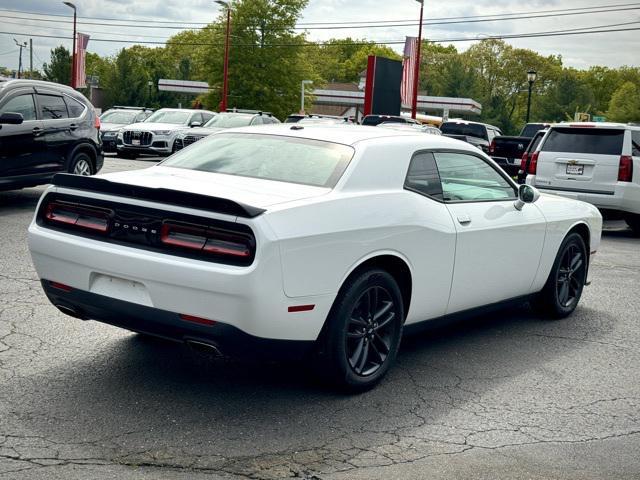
{"points": [[206, 117], [256, 121], [422, 175], [196, 117], [22, 104], [635, 143], [75, 108], [52, 107], [469, 178]]}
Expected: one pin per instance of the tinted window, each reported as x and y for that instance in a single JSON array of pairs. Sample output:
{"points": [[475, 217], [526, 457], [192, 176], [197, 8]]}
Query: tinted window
{"points": [[373, 120], [530, 129], [119, 117], [423, 175], [52, 107], [635, 143], [269, 157], [535, 141], [469, 129], [206, 117], [22, 104], [467, 177], [597, 141], [75, 108]]}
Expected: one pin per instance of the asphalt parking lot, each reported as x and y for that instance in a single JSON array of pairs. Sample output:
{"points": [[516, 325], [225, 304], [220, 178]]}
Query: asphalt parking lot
{"points": [[502, 396]]}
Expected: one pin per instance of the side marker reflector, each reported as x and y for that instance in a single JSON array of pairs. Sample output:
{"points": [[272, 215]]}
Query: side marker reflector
{"points": [[300, 308], [61, 286], [198, 320]]}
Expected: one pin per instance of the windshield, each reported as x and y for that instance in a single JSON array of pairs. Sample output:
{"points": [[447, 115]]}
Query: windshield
{"points": [[223, 120], [269, 157], [169, 116], [468, 129], [118, 117]]}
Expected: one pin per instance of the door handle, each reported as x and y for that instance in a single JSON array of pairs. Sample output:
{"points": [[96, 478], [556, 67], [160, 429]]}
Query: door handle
{"points": [[37, 131], [464, 219], [73, 126]]}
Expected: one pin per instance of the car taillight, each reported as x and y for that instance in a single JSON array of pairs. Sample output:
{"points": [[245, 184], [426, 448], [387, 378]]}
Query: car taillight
{"points": [[625, 169], [523, 162], [96, 122], [77, 217], [206, 240], [492, 147], [533, 164]]}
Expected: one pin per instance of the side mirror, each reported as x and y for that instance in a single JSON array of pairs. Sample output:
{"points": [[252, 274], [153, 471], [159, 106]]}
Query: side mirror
{"points": [[195, 124], [526, 194], [10, 118]]}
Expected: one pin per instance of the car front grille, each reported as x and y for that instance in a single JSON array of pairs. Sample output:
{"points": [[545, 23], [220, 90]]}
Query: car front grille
{"points": [[145, 138]]}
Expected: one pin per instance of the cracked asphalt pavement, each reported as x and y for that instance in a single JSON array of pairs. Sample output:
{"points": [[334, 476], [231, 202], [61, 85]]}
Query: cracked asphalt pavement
{"points": [[506, 395]]}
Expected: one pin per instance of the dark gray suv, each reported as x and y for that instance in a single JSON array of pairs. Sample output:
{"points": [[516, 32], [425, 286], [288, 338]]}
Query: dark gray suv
{"points": [[45, 128]]}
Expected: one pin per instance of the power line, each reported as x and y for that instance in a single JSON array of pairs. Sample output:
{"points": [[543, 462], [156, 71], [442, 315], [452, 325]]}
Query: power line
{"points": [[368, 22], [391, 42], [411, 23]]}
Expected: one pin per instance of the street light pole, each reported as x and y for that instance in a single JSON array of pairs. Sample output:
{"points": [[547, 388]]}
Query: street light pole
{"points": [[304, 82], [73, 58], [21, 46], [414, 101], [225, 80], [531, 78]]}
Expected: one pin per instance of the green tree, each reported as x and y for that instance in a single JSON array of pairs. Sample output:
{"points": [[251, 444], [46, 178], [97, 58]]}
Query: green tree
{"points": [[59, 68], [625, 104]]}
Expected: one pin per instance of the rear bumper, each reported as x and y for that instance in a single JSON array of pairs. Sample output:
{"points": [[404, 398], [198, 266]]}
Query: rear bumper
{"points": [[226, 339], [509, 165], [251, 299], [624, 198]]}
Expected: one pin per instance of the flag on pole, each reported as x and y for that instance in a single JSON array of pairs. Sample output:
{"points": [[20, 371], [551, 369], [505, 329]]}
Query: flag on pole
{"points": [[409, 65], [81, 53]]}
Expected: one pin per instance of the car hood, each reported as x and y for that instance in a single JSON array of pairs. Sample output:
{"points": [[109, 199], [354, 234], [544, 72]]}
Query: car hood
{"points": [[108, 127], [249, 191], [201, 131], [147, 127]]}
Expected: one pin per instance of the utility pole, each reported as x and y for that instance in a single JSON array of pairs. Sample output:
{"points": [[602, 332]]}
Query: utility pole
{"points": [[73, 58], [21, 46], [31, 58], [225, 82]]}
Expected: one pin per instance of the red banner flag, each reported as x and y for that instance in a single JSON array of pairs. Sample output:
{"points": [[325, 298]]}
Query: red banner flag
{"points": [[81, 52], [409, 65]]}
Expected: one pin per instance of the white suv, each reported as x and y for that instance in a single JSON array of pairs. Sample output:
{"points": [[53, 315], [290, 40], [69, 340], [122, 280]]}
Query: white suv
{"points": [[598, 163]]}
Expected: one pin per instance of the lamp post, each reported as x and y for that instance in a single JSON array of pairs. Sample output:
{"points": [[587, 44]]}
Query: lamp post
{"points": [[21, 45], [304, 82], [531, 78], [225, 81], [73, 61], [414, 101]]}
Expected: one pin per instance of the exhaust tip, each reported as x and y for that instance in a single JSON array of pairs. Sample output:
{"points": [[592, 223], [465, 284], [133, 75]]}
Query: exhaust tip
{"points": [[204, 348], [72, 312]]}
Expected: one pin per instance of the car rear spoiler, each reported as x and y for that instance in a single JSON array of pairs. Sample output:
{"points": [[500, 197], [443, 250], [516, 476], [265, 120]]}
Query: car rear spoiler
{"points": [[161, 195]]}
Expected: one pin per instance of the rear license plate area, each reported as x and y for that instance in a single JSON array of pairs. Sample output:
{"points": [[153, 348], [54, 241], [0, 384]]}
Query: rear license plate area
{"points": [[575, 169]]}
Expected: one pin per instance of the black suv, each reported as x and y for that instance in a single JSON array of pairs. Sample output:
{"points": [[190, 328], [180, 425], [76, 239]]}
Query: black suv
{"points": [[45, 128]]}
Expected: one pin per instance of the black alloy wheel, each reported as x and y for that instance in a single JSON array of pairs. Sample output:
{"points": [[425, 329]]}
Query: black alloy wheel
{"points": [[370, 331], [361, 337], [81, 164], [563, 289]]}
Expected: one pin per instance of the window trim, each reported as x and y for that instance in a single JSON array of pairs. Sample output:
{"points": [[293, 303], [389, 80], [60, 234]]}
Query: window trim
{"points": [[495, 167], [84, 112], [18, 93]]}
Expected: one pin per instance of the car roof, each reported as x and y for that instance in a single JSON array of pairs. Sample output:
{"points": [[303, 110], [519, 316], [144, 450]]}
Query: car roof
{"points": [[182, 110], [592, 125], [347, 134]]}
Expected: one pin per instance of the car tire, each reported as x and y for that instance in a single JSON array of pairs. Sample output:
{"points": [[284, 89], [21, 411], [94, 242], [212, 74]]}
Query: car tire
{"points": [[562, 292], [81, 164], [361, 337], [634, 224]]}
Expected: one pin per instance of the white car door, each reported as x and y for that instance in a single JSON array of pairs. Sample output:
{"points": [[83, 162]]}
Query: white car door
{"points": [[498, 247]]}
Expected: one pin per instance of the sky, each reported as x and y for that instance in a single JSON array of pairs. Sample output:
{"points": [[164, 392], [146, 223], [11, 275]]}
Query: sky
{"points": [[612, 49]]}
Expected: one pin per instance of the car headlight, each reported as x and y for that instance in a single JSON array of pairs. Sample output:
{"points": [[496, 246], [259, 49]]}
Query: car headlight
{"points": [[161, 132], [110, 134]]}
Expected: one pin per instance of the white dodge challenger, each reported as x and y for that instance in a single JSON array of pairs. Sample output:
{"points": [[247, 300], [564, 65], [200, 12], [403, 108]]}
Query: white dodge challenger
{"points": [[316, 241]]}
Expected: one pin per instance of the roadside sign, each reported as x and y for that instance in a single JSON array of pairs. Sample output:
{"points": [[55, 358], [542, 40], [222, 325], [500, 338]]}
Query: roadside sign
{"points": [[599, 119], [182, 86]]}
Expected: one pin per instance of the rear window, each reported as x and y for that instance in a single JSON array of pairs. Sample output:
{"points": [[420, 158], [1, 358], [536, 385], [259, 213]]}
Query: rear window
{"points": [[531, 128], [468, 129], [535, 141], [268, 157], [595, 141]]}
